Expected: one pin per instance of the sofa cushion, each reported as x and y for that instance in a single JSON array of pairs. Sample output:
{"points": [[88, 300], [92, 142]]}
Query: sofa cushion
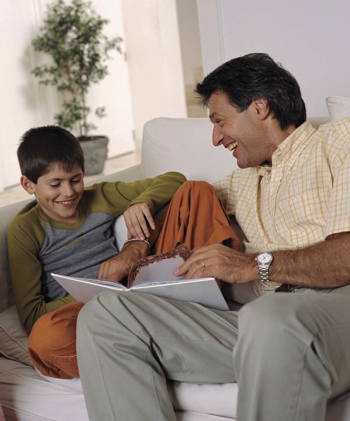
{"points": [[13, 337], [338, 107]]}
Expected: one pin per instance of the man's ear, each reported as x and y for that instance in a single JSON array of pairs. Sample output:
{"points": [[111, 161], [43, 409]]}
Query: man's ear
{"points": [[261, 107], [27, 184]]}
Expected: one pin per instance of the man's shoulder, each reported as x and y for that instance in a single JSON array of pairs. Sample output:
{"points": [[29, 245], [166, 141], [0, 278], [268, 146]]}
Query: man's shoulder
{"points": [[335, 137], [335, 129]]}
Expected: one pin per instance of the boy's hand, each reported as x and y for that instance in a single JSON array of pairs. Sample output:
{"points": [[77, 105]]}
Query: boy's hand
{"points": [[118, 267], [136, 218]]}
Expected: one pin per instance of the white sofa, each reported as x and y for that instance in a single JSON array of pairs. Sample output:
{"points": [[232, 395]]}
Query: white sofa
{"points": [[169, 144]]}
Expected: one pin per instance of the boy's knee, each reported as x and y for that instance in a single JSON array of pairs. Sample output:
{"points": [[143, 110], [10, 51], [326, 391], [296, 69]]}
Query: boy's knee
{"points": [[195, 186], [54, 330]]}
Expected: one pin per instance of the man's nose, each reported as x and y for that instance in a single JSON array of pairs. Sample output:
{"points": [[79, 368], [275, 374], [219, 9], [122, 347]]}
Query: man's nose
{"points": [[217, 137]]}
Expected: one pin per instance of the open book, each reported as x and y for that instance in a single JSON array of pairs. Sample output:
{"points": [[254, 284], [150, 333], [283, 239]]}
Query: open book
{"points": [[154, 275]]}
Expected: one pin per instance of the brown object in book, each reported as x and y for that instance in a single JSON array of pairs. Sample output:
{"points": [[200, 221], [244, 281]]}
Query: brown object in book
{"points": [[181, 250]]}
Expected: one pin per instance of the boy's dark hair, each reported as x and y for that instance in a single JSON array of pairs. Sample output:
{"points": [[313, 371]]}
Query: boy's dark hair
{"points": [[42, 147], [254, 76]]}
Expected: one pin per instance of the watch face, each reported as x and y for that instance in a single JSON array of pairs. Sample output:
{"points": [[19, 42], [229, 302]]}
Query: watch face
{"points": [[265, 258]]}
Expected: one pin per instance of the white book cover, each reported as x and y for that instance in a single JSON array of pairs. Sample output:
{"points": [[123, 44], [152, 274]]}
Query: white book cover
{"points": [[153, 275]]}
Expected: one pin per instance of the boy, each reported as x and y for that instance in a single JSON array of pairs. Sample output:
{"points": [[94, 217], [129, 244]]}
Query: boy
{"points": [[68, 229]]}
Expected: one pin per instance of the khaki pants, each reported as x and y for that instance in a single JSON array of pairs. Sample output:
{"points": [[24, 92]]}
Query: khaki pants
{"points": [[288, 352], [195, 217]]}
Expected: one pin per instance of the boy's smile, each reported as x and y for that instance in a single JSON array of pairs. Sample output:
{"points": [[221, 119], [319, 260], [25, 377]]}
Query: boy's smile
{"points": [[58, 192]]}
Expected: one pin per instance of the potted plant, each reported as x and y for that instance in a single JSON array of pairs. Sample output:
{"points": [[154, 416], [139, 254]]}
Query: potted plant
{"points": [[72, 35]]}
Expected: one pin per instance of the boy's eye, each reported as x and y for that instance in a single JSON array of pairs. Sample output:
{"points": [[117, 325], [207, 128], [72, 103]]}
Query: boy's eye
{"points": [[54, 185], [75, 181]]}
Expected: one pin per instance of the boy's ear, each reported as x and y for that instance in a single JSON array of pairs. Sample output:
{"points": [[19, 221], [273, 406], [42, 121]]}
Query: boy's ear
{"points": [[27, 184], [262, 108]]}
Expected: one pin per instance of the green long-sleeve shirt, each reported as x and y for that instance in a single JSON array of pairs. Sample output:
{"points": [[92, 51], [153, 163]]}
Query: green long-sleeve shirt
{"points": [[39, 245]]}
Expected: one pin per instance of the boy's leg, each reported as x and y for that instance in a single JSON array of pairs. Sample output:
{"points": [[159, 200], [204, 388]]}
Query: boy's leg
{"points": [[52, 342], [130, 343], [197, 218]]}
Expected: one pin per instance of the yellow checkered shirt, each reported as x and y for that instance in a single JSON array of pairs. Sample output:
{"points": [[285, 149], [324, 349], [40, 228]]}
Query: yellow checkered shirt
{"points": [[298, 201]]}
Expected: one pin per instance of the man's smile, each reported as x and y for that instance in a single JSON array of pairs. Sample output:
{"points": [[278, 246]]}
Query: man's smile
{"points": [[232, 146]]}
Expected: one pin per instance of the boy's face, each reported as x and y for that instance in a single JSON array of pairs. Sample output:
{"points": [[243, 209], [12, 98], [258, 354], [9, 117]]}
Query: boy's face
{"points": [[58, 192]]}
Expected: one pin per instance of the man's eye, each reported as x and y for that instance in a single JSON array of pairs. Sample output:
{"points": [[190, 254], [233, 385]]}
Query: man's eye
{"points": [[54, 185]]}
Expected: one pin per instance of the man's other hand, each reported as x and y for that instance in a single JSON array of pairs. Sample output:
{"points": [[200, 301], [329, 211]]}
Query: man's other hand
{"points": [[220, 262]]}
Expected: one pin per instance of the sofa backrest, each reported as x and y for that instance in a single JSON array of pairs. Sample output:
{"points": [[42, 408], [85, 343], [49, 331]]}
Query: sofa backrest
{"points": [[185, 145], [6, 214]]}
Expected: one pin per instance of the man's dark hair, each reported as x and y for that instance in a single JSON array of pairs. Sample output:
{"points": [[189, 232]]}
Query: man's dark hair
{"points": [[247, 78], [43, 147]]}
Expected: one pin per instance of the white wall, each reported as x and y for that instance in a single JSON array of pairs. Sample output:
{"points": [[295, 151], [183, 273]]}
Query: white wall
{"points": [[25, 104], [310, 38], [189, 39], [154, 60]]}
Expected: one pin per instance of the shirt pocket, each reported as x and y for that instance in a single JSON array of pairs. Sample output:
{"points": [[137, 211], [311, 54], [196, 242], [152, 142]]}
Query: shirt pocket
{"points": [[301, 220]]}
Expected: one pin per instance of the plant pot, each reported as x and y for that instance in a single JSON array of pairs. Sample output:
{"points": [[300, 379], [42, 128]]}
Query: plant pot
{"points": [[95, 153]]}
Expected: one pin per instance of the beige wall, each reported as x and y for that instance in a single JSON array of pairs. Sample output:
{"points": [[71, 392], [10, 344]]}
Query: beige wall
{"points": [[154, 60], [24, 104], [310, 38]]}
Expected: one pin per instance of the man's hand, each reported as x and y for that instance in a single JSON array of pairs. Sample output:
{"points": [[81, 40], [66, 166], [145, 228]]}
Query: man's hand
{"points": [[136, 218], [118, 267], [222, 263]]}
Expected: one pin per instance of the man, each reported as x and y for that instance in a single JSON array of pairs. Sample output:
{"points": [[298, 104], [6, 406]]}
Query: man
{"points": [[291, 197]]}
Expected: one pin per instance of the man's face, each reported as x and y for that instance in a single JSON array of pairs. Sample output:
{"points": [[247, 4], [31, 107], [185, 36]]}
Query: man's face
{"points": [[239, 132], [58, 192]]}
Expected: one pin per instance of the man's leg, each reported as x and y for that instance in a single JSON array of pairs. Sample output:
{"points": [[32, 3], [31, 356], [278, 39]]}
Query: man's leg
{"points": [[130, 343], [292, 355]]}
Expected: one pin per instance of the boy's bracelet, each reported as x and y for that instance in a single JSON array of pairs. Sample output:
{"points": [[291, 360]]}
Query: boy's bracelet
{"points": [[144, 241]]}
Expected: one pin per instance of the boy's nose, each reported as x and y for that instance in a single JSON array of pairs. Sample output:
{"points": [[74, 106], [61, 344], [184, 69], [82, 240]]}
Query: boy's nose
{"points": [[67, 190]]}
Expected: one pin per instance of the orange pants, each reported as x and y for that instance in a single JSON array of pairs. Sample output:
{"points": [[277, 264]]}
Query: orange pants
{"points": [[195, 217]]}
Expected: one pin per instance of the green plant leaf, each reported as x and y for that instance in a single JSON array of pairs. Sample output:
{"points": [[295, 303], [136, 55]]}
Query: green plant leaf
{"points": [[72, 36]]}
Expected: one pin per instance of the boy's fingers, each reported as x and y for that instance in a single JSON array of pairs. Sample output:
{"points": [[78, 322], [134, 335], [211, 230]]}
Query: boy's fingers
{"points": [[149, 217]]}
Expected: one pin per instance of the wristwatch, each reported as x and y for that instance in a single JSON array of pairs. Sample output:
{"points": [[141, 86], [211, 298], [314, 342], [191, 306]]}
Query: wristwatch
{"points": [[264, 261]]}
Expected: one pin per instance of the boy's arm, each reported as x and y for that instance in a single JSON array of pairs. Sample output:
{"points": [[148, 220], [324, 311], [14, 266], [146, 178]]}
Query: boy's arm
{"points": [[138, 217], [118, 267], [25, 269]]}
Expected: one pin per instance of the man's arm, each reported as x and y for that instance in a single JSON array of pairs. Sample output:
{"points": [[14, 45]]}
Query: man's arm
{"points": [[323, 265], [118, 267]]}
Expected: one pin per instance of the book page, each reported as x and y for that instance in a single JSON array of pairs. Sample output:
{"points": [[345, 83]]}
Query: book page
{"points": [[159, 267], [83, 289], [159, 271]]}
